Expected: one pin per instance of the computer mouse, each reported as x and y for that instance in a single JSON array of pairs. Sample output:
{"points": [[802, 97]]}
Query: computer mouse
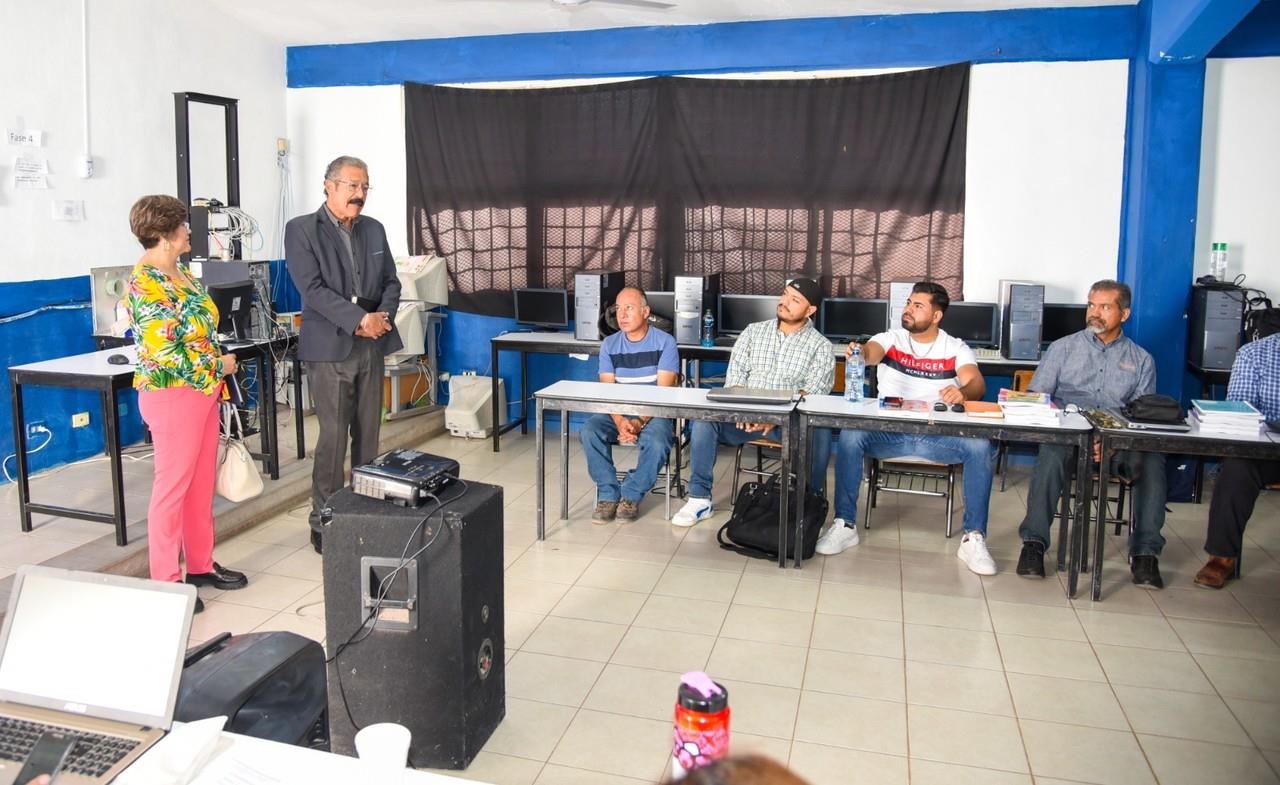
{"points": [[958, 408], [119, 359], [939, 406]]}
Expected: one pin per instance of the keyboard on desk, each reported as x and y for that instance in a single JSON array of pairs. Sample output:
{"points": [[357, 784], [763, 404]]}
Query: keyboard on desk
{"points": [[93, 755], [726, 340], [987, 355]]}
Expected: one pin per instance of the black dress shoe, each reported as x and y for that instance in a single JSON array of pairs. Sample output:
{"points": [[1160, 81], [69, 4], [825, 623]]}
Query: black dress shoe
{"points": [[1146, 572], [199, 605], [219, 578], [1031, 560], [317, 541]]}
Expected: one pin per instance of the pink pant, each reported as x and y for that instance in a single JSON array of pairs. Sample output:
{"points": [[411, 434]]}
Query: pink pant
{"points": [[184, 428]]}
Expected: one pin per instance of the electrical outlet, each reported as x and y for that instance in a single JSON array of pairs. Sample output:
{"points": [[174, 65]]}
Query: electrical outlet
{"points": [[79, 419], [34, 429]]}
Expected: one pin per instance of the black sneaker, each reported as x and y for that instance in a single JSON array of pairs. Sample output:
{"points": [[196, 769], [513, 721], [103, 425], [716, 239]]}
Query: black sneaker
{"points": [[1031, 561], [1146, 571], [199, 605]]}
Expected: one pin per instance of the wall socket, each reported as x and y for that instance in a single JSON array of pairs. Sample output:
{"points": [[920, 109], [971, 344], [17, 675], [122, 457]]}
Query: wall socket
{"points": [[79, 419], [34, 429]]}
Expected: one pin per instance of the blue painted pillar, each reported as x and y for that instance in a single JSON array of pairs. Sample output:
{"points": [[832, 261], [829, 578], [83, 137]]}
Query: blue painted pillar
{"points": [[1158, 222]]}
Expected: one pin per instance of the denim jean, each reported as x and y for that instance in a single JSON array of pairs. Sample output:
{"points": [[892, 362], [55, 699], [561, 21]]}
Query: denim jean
{"points": [[975, 454], [1050, 476], [707, 436], [598, 435]]}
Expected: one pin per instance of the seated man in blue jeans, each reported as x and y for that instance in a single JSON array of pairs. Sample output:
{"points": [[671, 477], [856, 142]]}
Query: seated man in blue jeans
{"points": [[1098, 368], [920, 362], [638, 353], [786, 353]]}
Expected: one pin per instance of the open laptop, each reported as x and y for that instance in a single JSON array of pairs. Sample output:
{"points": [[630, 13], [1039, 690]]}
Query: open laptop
{"points": [[755, 396], [95, 656], [1146, 425]]}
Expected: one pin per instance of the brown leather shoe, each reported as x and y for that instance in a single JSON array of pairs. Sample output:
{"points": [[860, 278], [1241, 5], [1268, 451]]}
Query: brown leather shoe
{"points": [[1216, 573]]}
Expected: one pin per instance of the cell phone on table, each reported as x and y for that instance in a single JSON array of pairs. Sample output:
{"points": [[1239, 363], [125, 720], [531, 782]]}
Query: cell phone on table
{"points": [[891, 402], [47, 756]]}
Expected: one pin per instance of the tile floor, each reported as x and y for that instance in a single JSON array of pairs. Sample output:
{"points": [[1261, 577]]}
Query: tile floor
{"points": [[890, 663]]}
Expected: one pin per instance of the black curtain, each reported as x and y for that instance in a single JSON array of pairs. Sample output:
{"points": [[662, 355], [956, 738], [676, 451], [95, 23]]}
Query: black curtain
{"points": [[857, 180]]}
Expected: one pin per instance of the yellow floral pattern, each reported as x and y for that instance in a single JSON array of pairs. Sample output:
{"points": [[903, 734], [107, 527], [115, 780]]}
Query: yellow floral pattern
{"points": [[175, 330]]}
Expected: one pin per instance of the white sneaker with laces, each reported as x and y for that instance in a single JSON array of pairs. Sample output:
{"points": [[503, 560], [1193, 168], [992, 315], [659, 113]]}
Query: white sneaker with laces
{"points": [[693, 511], [840, 536], [973, 552]]}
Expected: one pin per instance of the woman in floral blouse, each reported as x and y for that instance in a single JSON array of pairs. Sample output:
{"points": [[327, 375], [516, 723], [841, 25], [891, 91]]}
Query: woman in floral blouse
{"points": [[179, 378]]}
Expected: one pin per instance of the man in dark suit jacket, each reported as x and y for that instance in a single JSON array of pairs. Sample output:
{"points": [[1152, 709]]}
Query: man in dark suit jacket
{"points": [[342, 265]]}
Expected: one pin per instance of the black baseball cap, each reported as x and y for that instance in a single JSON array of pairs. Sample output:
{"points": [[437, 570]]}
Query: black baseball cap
{"points": [[808, 288]]}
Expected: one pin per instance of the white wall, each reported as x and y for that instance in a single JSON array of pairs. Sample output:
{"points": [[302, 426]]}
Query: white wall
{"points": [[1045, 168], [1045, 174], [140, 53], [1240, 170], [367, 122]]}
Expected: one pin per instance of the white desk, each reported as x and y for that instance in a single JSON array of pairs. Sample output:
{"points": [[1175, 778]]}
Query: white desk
{"points": [[244, 759], [1073, 430], [646, 400]]}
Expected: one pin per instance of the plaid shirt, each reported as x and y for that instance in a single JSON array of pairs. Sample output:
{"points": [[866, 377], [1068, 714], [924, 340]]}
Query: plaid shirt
{"points": [[1255, 376], [764, 357]]}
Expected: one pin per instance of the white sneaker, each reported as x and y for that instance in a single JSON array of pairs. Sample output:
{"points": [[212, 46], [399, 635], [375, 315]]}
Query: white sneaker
{"points": [[840, 536], [693, 511], [973, 552]]}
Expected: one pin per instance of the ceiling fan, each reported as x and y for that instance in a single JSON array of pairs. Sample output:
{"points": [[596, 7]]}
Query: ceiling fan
{"points": [[656, 5]]}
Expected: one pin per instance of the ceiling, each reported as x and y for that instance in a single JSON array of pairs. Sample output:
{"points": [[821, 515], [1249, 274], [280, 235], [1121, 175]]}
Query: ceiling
{"points": [[299, 22]]}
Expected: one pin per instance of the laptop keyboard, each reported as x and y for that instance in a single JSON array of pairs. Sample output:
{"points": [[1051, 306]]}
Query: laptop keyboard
{"points": [[93, 755]]}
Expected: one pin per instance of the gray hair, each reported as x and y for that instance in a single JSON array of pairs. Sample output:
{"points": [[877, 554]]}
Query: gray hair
{"points": [[335, 166], [1124, 293]]}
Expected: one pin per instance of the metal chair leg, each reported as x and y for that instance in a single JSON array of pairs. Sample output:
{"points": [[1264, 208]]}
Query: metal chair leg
{"points": [[951, 496], [1002, 463], [737, 469], [872, 480]]}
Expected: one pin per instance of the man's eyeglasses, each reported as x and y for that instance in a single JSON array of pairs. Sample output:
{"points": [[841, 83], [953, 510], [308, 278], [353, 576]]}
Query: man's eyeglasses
{"points": [[355, 186]]}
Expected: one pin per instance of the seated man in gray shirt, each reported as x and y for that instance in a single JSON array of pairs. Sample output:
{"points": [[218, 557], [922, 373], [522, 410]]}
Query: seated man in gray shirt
{"points": [[1098, 368]]}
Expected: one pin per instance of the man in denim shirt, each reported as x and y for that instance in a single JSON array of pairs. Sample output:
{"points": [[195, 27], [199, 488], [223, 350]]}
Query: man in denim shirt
{"points": [[1098, 368], [1255, 379]]}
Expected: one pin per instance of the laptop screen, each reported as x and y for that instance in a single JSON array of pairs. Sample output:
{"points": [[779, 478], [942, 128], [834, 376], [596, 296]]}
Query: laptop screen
{"points": [[98, 645]]}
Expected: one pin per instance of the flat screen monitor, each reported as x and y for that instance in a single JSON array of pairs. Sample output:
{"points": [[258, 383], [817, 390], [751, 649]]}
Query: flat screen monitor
{"points": [[662, 304], [1061, 320], [973, 323], [542, 307], [739, 310], [853, 318], [234, 302]]}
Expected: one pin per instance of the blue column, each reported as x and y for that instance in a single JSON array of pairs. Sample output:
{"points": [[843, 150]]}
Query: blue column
{"points": [[1158, 221]]}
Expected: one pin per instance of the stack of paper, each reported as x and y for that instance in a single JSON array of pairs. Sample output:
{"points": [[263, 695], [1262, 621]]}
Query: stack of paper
{"points": [[1229, 418], [1027, 408]]}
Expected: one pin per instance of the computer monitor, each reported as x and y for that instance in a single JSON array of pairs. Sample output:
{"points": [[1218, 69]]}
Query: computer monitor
{"points": [[739, 310], [662, 304], [548, 308], [1061, 320], [234, 302], [853, 318], [974, 323]]}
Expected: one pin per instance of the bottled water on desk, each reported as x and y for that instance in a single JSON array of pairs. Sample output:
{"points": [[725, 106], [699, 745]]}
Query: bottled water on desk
{"points": [[1218, 261], [855, 372], [708, 329]]}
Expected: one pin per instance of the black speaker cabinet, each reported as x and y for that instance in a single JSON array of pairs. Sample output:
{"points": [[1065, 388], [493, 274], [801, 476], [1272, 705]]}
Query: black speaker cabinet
{"points": [[432, 660]]}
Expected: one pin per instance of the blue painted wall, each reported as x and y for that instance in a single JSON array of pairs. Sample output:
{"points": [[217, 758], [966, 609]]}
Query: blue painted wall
{"points": [[899, 40], [44, 336]]}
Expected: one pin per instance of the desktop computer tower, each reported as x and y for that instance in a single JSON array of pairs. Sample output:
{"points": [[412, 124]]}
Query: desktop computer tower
{"points": [[433, 661], [1021, 318], [1217, 321], [592, 294], [695, 295]]}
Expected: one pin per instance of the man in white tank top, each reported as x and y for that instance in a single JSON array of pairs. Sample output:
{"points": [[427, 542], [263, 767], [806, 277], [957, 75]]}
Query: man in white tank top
{"points": [[920, 362]]}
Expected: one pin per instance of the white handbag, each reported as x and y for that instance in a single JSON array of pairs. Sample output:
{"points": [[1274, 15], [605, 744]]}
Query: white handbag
{"points": [[238, 478]]}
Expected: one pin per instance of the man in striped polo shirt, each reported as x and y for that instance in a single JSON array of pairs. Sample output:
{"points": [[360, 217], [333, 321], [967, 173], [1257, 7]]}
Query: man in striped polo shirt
{"points": [[638, 353]]}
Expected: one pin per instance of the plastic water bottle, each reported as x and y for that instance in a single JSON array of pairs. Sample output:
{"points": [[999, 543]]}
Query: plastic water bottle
{"points": [[1218, 261], [855, 371], [701, 733], [708, 329]]}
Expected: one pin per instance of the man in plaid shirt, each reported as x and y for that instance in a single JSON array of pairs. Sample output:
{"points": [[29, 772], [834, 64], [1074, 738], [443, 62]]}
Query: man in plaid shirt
{"points": [[786, 353], [1255, 379]]}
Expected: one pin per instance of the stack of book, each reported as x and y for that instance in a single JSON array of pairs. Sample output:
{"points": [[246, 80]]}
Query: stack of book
{"points": [[1228, 418], [1027, 408]]}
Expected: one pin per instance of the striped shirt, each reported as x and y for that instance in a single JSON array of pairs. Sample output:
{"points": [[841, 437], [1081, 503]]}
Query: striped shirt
{"points": [[919, 371], [1255, 376], [638, 362], [764, 357]]}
